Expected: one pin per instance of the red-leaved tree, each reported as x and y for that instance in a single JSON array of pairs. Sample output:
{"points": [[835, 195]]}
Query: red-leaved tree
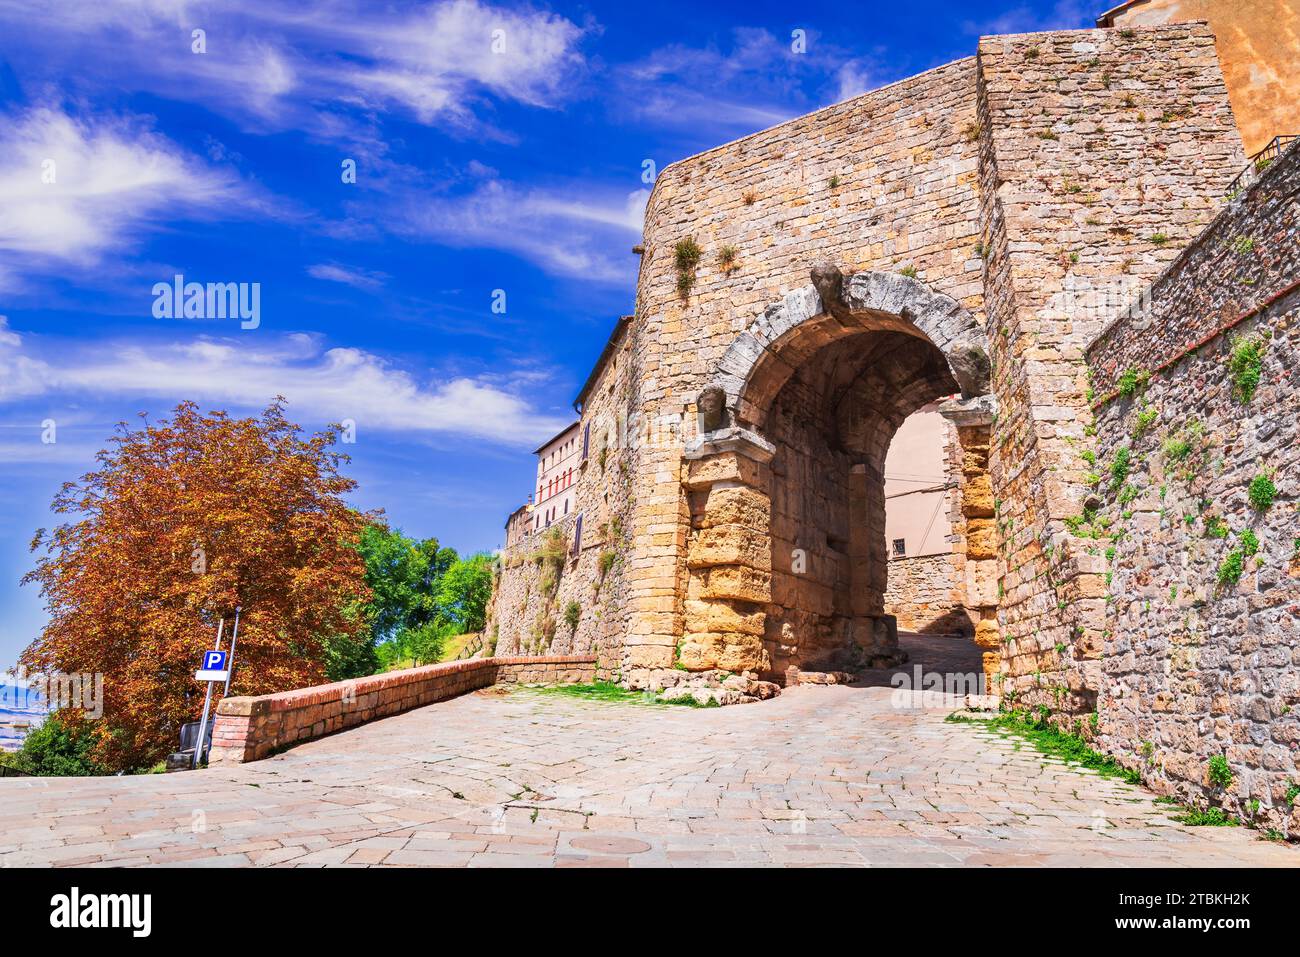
{"points": [[182, 522]]}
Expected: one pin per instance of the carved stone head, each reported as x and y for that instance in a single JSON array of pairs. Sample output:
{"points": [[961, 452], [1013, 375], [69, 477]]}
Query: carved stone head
{"points": [[712, 405]]}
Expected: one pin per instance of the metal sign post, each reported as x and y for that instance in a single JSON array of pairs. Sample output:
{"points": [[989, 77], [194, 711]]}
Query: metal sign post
{"points": [[207, 698], [234, 637]]}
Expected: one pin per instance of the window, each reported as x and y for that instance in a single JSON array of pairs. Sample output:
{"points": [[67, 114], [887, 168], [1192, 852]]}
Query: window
{"points": [[900, 548], [586, 440], [577, 535]]}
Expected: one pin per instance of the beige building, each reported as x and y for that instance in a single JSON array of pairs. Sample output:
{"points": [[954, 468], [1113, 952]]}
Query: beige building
{"points": [[918, 487], [558, 461]]}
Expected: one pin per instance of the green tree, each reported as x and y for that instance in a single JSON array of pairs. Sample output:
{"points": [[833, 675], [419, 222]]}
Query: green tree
{"points": [[465, 590], [412, 611], [58, 748]]}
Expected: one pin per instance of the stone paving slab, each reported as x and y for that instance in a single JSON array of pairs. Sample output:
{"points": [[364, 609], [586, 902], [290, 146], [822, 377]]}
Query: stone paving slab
{"points": [[832, 776]]}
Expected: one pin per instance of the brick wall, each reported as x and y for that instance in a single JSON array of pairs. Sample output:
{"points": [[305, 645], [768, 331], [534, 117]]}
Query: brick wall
{"points": [[249, 729], [1197, 665]]}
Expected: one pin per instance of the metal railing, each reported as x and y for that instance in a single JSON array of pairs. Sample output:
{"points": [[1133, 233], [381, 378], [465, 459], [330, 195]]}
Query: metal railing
{"points": [[1261, 161]]}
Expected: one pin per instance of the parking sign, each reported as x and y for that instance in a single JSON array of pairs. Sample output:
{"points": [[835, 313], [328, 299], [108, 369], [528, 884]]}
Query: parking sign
{"points": [[214, 667]]}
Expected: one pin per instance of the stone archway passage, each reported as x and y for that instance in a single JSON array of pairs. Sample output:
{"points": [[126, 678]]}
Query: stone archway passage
{"points": [[786, 563]]}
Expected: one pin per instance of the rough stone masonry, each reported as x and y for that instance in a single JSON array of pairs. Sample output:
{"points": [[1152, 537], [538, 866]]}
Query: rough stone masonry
{"points": [[962, 236]]}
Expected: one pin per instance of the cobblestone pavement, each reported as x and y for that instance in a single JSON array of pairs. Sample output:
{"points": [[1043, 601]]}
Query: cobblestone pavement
{"points": [[818, 776]]}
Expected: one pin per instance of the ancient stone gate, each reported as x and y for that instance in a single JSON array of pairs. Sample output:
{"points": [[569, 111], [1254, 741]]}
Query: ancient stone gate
{"points": [[785, 481], [1059, 238]]}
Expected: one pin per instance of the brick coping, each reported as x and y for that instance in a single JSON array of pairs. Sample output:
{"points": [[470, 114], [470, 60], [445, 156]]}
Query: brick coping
{"points": [[320, 694]]}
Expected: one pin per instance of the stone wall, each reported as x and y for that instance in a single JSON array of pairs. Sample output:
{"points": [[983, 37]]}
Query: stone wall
{"points": [[1029, 193], [1202, 649], [882, 181], [1259, 47], [1105, 152], [249, 729], [925, 596], [534, 595]]}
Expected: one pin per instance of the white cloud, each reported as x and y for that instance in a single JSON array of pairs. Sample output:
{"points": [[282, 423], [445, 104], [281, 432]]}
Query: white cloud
{"points": [[72, 190], [588, 238], [856, 78], [750, 87], [276, 63], [246, 373], [348, 275]]}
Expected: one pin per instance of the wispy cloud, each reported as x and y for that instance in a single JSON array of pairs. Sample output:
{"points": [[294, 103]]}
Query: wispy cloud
{"points": [[277, 64], [748, 87], [588, 237], [74, 189], [1024, 18], [348, 275], [330, 384]]}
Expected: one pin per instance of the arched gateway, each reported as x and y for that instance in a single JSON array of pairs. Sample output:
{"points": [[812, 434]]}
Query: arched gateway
{"points": [[786, 558]]}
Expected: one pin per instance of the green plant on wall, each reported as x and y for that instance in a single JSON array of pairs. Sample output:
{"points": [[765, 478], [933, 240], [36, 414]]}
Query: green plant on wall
{"points": [[572, 615], [1220, 772], [1132, 381], [1119, 468], [1145, 419], [1262, 493], [1246, 366], [686, 256], [1231, 568]]}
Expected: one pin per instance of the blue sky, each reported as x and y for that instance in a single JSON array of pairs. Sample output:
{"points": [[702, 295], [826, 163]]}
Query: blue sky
{"points": [[515, 168]]}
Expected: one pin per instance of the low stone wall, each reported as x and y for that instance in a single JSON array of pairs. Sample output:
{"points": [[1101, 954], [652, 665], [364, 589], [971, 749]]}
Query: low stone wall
{"points": [[925, 596], [1198, 486], [249, 729]]}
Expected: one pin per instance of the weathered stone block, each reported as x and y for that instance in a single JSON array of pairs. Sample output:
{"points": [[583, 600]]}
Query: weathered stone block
{"points": [[735, 505], [722, 616], [730, 545]]}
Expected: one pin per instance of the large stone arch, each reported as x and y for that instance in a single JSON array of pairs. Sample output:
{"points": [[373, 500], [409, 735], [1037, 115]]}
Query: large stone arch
{"points": [[832, 306], [867, 350]]}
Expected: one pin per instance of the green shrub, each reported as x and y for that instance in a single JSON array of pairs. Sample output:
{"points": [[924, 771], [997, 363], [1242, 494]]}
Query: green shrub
{"points": [[1214, 817], [1262, 493], [58, 748], [607, 559], [1119, 468], [1246, 366], [1231, 568], [1145, 419], [1132, 381], [572, 615], [1249, 543], [1220, 771], [686, 256]]}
